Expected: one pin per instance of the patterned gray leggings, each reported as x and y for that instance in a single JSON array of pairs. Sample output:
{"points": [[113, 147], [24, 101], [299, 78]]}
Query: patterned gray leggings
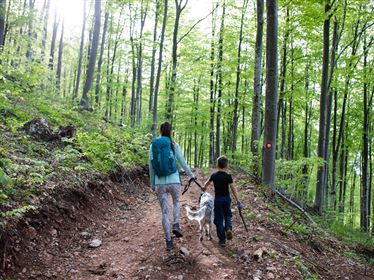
{"points": [[162, 195]]}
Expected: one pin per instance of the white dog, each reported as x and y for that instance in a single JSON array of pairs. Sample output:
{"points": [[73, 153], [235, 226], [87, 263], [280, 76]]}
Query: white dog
{"points": [[204, 215]]}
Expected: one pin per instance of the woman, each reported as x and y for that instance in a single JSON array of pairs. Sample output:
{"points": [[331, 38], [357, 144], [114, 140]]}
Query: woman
{"points": [[165, 179]]}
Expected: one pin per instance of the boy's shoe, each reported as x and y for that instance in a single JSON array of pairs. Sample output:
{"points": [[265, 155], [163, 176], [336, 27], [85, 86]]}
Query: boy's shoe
{"points": [[177, 231], [222, 243], [169, 245], [229, 234]]}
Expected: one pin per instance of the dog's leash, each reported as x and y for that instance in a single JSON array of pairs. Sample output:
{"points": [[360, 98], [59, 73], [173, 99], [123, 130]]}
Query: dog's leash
{"points": [[186, 187]]}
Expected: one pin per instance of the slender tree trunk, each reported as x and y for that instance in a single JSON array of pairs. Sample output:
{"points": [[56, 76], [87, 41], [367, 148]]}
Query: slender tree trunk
{"points": [[53, 43], [92, 61], [212, 99], [2, 21], [308, 110], [237, 83], [153, 60], [270, 132], [320, 188], [180, 5], [45, 28], [220, 83], [257, 88], [31, 34], [59, 61], [81, 48], [155, 103], [283, 74], [143, 16], [365, 211], [100, 62]]}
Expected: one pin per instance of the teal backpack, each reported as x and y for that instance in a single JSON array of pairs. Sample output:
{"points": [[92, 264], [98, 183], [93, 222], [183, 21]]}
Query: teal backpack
{"points": [[163, 158]]}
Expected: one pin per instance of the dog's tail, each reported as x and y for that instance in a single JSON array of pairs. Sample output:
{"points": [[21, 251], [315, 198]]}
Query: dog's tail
{"points": [[195, 215]]}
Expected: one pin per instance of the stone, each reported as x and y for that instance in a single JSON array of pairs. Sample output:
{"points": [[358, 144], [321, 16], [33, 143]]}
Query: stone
{"points": [[258, 254], [184, 252], [270, 275], [31, 233], [180, 277], [85, 235], [95, 243]]}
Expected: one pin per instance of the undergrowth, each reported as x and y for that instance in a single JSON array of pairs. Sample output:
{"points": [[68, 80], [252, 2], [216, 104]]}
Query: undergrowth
{"points": [[30, 167]]}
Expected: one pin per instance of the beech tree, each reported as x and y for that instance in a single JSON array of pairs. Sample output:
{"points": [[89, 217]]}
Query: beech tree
{"points": [[271, 101], [92, 60]]}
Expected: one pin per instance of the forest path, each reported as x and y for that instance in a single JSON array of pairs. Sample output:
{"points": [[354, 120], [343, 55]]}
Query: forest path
{"points": [[133, 247], [128, 224]]}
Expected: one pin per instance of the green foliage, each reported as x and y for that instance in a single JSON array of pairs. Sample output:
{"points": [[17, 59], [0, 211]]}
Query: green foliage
{"points": [[345, 232], [290, 177]]}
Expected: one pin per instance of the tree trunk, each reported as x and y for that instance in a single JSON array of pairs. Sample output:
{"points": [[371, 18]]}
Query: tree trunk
{"points": [[79, 70], [155, 103], [237, 83], [143, 15], [320, 187], [365, 211], [53, 43], [2, 21], [257, 89], [212, 99], [92, 61], [220, 83], [100, 62], [281, 103], [59, 60], [31, 34], [179, 7], [270, 132], [153, 60], [45, 27]]}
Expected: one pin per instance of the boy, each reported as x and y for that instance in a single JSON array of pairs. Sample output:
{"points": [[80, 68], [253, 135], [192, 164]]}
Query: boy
{"points": [[222, 181]]}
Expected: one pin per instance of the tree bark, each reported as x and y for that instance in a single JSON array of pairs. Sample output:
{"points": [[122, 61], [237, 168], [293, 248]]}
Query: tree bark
{"points": [[220, 83], [45, 28], [257, 89], [212, 98], [237, 82], [155, 102], [92, 61], [271, 101], [79, 69], [100, 62], [365, 211], [179, 7], [153, 60], [320, 187], [53, 43], [2, 21], [59, 60]]}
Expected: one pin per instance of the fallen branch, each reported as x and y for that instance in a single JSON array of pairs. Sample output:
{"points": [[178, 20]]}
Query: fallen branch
{"points": [[294, 204]]}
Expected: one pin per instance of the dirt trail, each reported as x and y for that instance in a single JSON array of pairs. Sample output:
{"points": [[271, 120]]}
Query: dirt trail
{"points": [[135, 249], [128, 223]]}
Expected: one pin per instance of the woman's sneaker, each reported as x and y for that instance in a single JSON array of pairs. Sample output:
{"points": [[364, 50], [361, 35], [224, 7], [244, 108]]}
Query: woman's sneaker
{"points": [[177, 231], [169, 245], [229, 234], [222, 243]]}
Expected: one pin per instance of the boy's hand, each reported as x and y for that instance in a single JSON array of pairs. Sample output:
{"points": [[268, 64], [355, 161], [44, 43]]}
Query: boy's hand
{"points": [[239, 205]]}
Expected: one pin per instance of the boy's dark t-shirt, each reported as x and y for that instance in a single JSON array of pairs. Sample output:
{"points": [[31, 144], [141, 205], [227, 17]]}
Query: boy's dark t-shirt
{"points": [[221, 181]]}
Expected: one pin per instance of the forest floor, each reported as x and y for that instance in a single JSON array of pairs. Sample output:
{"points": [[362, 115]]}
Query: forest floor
{"points": [[54, 242]]}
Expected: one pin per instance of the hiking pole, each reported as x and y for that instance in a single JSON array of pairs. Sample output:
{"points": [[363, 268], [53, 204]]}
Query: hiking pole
{"points": [[241, 216]]}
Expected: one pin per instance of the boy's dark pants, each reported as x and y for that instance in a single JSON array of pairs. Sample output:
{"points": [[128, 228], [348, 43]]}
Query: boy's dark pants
{"points": [[222, 215]]}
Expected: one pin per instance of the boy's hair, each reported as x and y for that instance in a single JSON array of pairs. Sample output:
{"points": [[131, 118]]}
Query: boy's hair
{"points": [[222, 162]]}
